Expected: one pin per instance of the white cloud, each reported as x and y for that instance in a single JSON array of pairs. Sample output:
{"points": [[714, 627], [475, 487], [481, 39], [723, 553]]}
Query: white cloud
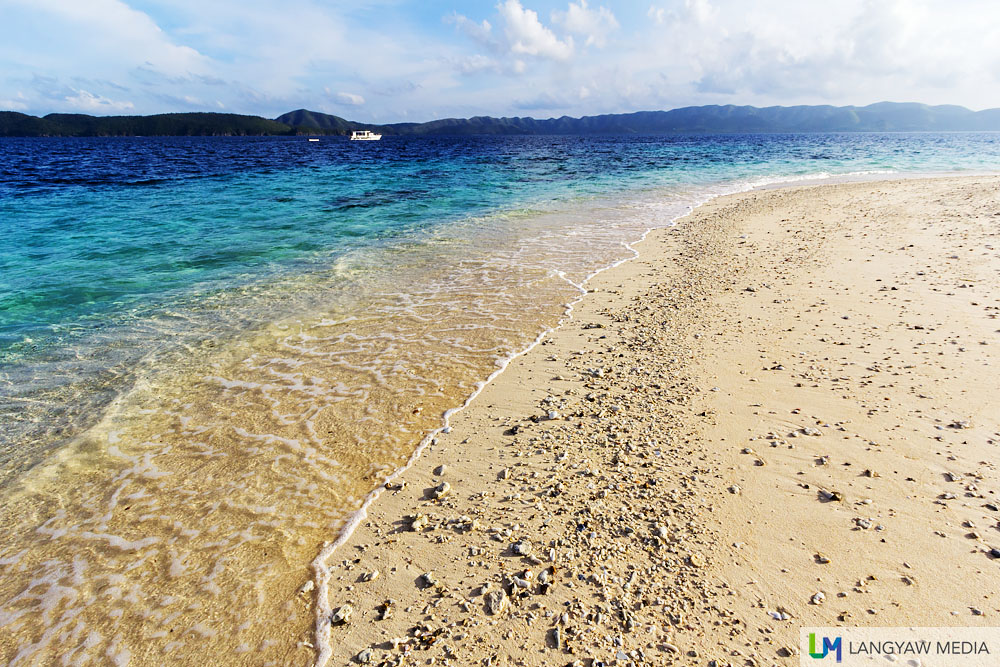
{"points": [[522, 36], [701, 11], [83, 100], [13, 105], [594, 24], [351, 99], [527, 35], [698, 12], [785, 52], [252, 56], [113, 33], [477, 63], [481, 32]]}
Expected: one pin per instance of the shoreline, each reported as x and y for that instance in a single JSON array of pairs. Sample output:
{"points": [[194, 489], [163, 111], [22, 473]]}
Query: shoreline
{"points": [[471, 423], [320, 563], [351, 521]]}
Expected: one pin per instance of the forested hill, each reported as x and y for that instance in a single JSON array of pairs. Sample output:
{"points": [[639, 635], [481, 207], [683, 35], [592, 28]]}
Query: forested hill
{"points": [[13, 124], [882, 117]]}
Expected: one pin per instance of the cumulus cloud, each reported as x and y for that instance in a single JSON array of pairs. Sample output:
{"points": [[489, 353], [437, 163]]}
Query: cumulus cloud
{"points": [[527, 35], [521, 36], [593, 24]]}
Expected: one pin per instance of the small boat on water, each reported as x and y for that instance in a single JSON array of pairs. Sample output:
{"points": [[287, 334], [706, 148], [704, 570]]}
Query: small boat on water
{"points": [[314, 140], [364, 135]]}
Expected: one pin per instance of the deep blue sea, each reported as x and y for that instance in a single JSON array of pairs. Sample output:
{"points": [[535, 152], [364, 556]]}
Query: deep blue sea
{"points": [[267, 327]]}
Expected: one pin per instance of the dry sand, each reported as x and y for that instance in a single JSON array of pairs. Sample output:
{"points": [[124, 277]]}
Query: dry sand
{"points": [[791, 392]]}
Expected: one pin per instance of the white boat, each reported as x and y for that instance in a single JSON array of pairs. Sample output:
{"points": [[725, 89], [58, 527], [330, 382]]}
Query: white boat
{"points": [[314, 140], [364, 135]]}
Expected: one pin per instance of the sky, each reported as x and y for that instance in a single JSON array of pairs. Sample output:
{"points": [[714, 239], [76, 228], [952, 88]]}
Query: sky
{"points": [[396, 60]]}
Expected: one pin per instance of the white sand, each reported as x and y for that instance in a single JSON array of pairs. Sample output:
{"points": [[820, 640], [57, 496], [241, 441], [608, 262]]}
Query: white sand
{"points": [[865, 313]]}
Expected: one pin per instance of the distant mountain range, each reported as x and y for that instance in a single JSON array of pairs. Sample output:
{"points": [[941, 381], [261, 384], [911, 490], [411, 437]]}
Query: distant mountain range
{"points": [[13, 124], [881, 117]]}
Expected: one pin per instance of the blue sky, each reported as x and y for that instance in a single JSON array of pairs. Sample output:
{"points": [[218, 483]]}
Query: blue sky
{"points": [[393, 60]]}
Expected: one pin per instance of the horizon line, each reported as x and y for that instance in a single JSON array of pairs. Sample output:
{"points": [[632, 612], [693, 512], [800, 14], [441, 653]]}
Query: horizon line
{"points": [[438, 118]]}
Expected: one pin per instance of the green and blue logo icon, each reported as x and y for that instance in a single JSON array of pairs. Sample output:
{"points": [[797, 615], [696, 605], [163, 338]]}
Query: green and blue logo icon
{"points": [[829, 646]]}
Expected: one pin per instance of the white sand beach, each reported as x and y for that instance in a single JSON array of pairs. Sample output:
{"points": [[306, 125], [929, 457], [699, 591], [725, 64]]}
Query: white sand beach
{"points": [[785, 408]]}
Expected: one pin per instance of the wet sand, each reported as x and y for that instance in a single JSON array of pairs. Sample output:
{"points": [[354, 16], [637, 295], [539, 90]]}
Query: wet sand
{"points": [[782, 414]]}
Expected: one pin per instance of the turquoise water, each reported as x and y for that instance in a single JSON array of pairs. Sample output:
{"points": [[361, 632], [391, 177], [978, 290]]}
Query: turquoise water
{"points": [[82, 243], [265, 328], [89, 242], [105, 234]]}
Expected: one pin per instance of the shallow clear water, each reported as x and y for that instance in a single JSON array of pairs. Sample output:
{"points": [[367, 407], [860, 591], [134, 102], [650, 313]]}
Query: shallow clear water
{"points": [[212, 349]]}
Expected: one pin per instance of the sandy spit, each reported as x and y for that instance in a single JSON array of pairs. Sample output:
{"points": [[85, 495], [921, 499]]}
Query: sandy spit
{"points": [[784, 413]]}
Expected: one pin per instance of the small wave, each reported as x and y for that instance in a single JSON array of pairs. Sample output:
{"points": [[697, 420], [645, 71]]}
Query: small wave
{"points": [[766, 181]]}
